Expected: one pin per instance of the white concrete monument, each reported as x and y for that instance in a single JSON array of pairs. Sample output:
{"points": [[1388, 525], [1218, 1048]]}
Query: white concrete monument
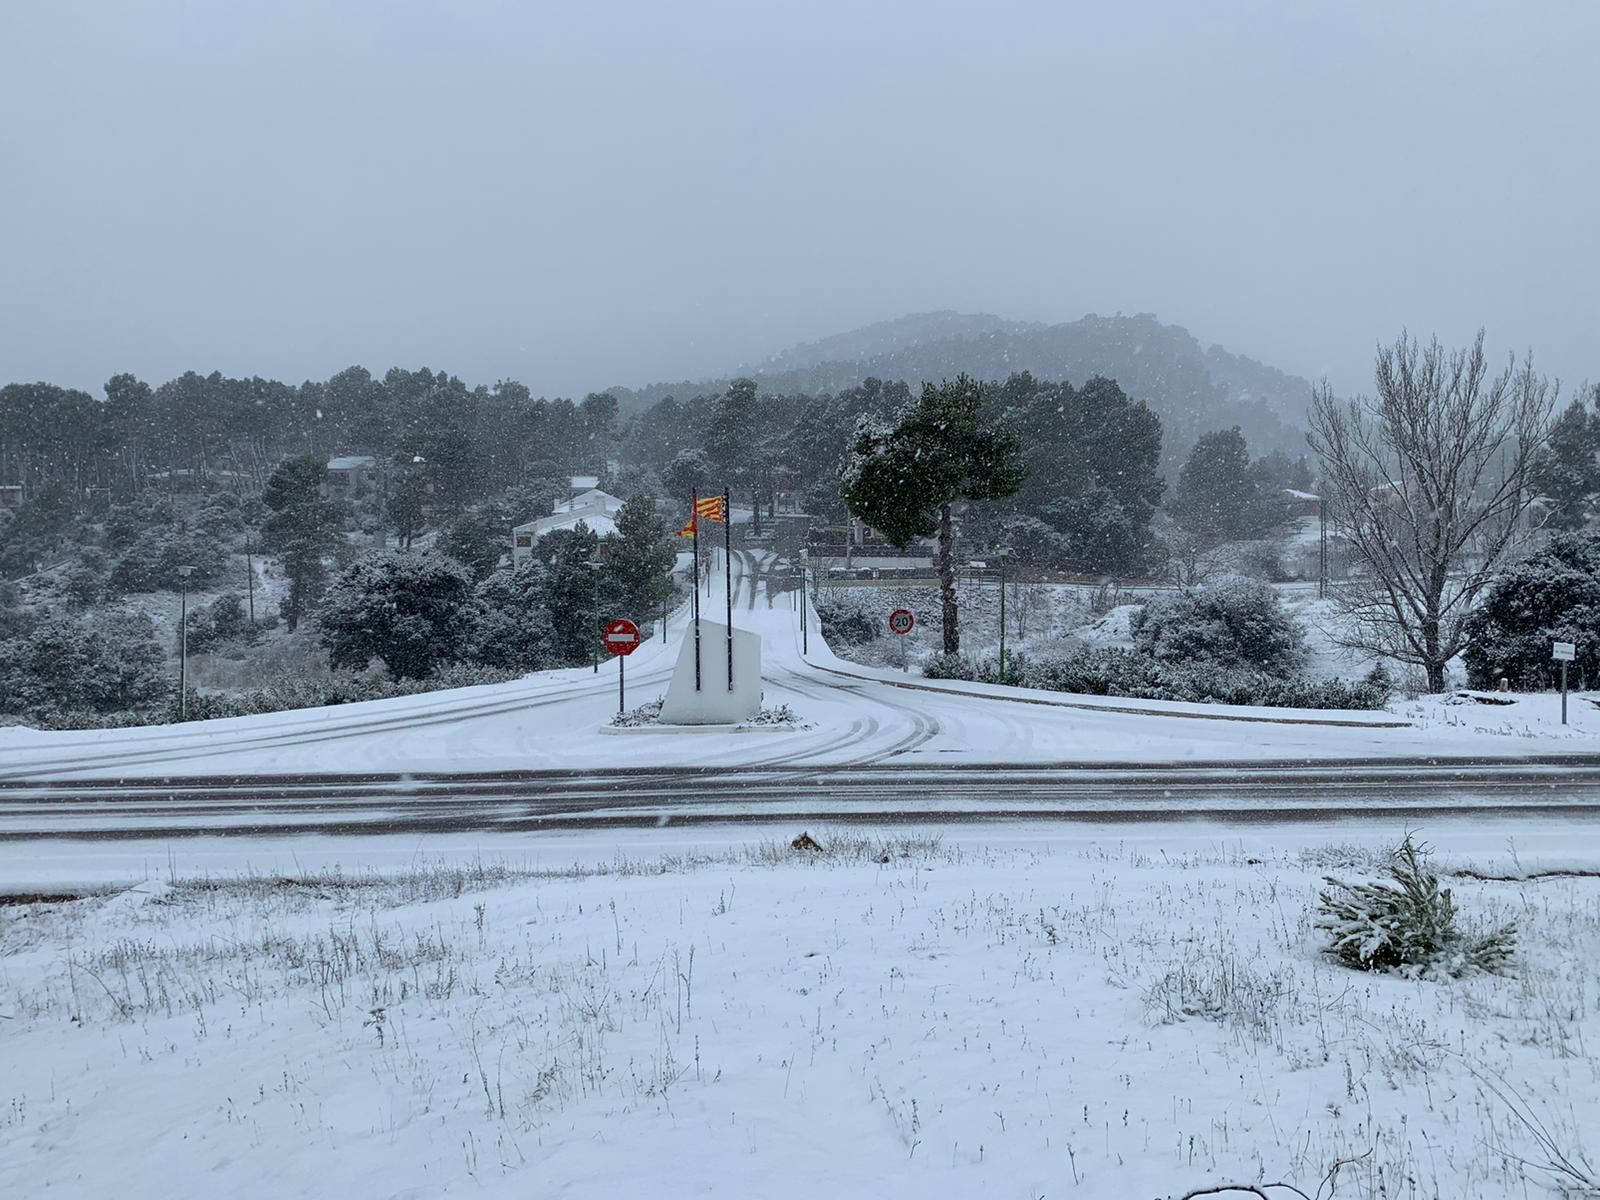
{"points": [[714, 703]]}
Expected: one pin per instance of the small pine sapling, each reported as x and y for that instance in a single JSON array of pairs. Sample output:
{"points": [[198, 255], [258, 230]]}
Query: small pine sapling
{"points": [[1407, 923]]}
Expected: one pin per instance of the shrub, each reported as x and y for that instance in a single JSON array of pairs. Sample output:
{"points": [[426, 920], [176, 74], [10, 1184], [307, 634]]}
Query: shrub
{"points": [[1233, 623], [844, 626], [949, 666], [67, 663], [415, 612], [1553, 595], [1115, 672], [1407, 923], [293, 693], [150, 561], [513, 627], [223, 620], [83, 583]]}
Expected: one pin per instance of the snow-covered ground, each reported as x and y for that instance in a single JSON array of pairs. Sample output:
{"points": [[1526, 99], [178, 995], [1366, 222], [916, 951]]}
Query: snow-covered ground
{"points": [[1022, 1012], [856, 715]]}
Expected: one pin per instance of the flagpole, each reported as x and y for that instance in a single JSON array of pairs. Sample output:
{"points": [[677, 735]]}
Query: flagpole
{"points": [[694, 529], [727, 563]]}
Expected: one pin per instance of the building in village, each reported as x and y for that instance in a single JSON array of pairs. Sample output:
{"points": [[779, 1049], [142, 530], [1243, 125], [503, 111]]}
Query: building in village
{"points": [[594, 508]]}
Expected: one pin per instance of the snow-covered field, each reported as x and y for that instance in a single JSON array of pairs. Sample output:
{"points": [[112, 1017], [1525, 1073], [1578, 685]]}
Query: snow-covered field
{"points": [[1020, 1012]]}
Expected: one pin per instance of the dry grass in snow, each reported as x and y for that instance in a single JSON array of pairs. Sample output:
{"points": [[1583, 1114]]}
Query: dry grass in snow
{"points": [[885, 1018]]}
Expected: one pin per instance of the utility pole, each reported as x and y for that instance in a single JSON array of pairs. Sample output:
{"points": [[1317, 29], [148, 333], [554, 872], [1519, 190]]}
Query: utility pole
{"points": [[183, 643], [1322, 548], [250, 573]]}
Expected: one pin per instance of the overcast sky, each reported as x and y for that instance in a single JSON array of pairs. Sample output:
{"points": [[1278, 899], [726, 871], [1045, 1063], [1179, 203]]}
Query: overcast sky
{"points": [[591, 193]]}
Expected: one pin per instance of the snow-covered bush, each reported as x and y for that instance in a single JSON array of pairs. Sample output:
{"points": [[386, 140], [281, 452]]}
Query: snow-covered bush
{"points": [[1232, 623], [292, 693], [150, 561], [84, 582], [1113, 671], [950, 666], [645, 714], [223, 620], [844, 625], [415, 612], [1407, 923], [68, 663], [781, 714], [513, 628], [1553, 595]]}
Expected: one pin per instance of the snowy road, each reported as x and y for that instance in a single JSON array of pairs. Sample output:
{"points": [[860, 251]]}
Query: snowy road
{"points": [[878, 743], [516, 803]]}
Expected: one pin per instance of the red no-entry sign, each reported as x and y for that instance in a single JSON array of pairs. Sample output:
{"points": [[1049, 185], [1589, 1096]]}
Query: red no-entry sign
{"points": [[901, 621], [622, 636]]}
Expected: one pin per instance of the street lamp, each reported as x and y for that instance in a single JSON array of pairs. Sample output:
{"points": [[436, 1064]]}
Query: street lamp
{"points": [[1002, 616], [805, 632], [594, 566], [183, 643]]}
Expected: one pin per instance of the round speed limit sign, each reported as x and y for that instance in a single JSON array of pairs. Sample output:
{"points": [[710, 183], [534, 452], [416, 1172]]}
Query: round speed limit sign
{"points": [[901, 621]]}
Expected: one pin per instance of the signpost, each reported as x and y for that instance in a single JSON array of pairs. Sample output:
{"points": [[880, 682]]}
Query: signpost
{"points": [[902, 622], [1563, 653], [622, 639]]}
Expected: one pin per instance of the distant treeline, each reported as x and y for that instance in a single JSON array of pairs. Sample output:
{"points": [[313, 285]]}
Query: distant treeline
{"points": [[215, 429]]}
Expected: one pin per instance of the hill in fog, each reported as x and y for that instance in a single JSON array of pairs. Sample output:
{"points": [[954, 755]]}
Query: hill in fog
{"points": [[1192, 389]]}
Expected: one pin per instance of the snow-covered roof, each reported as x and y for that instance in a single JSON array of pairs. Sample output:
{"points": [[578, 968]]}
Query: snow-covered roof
{"points": [[596, 520], [583, 483], [1296, 494], [594, 499], [352, 462]]}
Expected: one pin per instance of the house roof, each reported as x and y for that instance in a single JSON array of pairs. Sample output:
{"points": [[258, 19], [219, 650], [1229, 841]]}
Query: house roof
{"points": [[1296, 494], [594, 499], [352, 462], [583, 483], [598, 522]]}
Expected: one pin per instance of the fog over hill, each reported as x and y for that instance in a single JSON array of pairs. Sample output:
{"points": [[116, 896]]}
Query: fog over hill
{"points": [[1192, 389]]}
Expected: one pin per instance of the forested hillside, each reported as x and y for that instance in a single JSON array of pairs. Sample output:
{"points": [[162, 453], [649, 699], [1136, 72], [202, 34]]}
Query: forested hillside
{"points": [[1191, 389]]}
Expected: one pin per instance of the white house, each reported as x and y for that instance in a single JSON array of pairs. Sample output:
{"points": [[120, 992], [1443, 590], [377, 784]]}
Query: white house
{"points": [[596, 509]]}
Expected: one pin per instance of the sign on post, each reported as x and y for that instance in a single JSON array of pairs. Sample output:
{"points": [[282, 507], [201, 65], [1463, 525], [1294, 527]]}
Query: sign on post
{"points": [[622, 637], [621, 640], [1563, 653], [902, 622]]}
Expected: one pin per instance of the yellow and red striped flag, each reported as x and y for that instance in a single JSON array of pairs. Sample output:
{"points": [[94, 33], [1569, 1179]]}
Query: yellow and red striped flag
{"points": [[712, 508], [687, 530]]}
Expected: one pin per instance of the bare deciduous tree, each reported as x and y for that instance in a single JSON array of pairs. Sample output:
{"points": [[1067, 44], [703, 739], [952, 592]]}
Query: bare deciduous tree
{"points": [[1428, 482]]}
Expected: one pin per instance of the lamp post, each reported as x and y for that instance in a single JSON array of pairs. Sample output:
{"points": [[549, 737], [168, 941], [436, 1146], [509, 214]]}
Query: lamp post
{"points": [[1002, 616], [594, 594], [805, 632], [183, 643]]}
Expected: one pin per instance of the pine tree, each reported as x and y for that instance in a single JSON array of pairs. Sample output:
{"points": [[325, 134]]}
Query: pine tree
{"points": [[407, 495], [1219, 497], [302, 531], [901, 476], [1567, 472], [639, 559], [412, 611]]}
